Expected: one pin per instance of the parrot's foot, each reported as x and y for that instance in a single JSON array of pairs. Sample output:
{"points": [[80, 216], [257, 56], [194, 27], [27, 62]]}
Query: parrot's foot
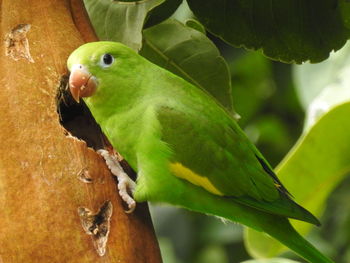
{"points": [[125, 184]]}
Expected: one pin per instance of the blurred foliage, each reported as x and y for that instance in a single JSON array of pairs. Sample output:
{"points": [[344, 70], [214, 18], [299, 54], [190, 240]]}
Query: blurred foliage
{"points": [[325, 143], [274, 260], [263, 93], [335, 234]]}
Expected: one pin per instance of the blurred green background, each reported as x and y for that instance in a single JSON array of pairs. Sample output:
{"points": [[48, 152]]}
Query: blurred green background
{"points": [[264, 94]]}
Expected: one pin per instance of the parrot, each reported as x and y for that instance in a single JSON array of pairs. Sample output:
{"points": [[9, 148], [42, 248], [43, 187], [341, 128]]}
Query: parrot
{"points": [[185, 147]]}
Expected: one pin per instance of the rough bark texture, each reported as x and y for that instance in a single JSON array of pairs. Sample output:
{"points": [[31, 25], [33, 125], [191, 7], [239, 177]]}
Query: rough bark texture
{"points": [[45, 175]]}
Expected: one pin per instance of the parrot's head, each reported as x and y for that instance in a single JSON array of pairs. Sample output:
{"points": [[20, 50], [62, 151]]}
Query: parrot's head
{"points": [[92, 65]]}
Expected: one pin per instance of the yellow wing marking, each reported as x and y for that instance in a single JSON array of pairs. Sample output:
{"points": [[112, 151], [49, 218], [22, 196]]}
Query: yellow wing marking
{"points": [[183, 172]]}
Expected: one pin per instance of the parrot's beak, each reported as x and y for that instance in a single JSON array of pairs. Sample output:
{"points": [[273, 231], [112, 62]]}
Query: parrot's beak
{"points": [[81, 82]]}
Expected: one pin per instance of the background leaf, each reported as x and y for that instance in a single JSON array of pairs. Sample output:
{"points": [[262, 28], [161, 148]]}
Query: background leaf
{"points": [[252, 87], [162, 12], [320, 161], [189, 54], [271, 260], [286, 30], [120, 21]]}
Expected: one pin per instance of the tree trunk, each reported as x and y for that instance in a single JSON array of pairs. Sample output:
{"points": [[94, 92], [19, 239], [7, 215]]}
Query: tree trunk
{"points": [[52, 184]]}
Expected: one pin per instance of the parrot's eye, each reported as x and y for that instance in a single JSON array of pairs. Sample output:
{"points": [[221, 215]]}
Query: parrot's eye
{"points": [[107, 60]]}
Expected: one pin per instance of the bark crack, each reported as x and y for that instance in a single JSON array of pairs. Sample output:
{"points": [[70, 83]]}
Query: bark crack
{"points": [[97, 225], [16, 43]]}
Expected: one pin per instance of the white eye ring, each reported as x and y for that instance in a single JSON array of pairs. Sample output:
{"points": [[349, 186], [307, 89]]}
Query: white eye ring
{"points": [[106, 60]]}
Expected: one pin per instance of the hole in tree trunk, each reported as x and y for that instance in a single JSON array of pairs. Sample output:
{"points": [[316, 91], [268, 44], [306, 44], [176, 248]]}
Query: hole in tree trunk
{"points": [[76, 117]]}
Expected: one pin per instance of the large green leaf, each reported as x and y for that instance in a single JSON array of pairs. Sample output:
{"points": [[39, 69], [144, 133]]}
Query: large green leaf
{"points": [[286, 30], [120, 21], [312, 169], [189, 54]]}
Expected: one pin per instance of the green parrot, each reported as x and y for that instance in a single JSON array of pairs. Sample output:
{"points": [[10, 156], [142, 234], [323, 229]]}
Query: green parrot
{"points": [[187, 150]]}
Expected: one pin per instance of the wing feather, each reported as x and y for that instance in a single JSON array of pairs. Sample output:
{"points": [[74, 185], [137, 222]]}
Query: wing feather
{"points": [[223, 161], [217, 151]]}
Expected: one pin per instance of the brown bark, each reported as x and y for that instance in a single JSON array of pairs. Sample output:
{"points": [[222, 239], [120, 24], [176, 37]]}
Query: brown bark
{"points": [[45, 175]]}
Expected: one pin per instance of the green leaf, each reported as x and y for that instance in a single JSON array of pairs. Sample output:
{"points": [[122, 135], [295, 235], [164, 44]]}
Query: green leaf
{"points": [[251, 88], [167, 250], [120, 21], [322, 86], [212, 253], [193, 23], [191, 55], [184, 15], [311, 171], [271, 260], [285, 30], [162, 12]]}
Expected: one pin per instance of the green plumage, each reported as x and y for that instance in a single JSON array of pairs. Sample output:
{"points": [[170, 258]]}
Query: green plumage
{"points": [[157, 120]]}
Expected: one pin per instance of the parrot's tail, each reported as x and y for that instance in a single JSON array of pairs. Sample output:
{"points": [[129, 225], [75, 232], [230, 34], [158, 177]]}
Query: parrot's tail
{"points": [[277, 226], [284, 232]]}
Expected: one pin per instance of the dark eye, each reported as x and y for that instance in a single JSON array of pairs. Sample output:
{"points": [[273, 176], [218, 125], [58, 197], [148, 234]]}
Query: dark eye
{"points": [[107, 60]]}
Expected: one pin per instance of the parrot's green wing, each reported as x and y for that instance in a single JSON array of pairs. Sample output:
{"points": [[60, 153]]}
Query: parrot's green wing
{"points": [[225, 162]]}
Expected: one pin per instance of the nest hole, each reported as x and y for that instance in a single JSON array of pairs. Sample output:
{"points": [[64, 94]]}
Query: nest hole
{"points": [[78, 121], [76, 118]]}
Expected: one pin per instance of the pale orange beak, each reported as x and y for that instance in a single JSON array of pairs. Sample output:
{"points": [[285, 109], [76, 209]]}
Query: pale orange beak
{"points": [[81, 82]]}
